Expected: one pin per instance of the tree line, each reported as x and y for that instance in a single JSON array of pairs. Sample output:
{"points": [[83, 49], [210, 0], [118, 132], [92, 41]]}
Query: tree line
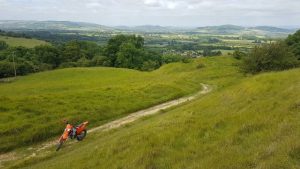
{"points": [[122, 51]]}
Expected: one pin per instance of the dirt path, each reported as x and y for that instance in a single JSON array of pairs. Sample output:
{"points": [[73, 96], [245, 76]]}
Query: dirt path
{"points": [[114, 124], [153, 110]]}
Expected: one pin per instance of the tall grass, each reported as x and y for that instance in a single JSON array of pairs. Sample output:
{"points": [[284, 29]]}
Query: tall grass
{"points": [[33, 107], [253, 123]]}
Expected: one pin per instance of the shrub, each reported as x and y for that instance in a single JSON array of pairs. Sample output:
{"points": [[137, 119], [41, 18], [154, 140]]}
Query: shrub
{"points": [[68, 65], [25, 68], [238, 54], [200, 66], [44, 67], [100, 61], [150, 65], [83, 62], [169, 58], [268, 57], [3, 45], [6, 69]]}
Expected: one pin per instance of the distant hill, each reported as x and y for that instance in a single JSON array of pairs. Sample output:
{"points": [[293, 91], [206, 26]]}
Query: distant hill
{"points": [[83, 26], [240, 30], [51, 25], [152, 28], [271, 29], [223, 29]]}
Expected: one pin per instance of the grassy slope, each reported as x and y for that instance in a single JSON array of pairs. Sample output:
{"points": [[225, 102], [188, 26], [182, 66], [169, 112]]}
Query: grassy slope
{"points": [[250, 124], [30, 43], [33, 107]]}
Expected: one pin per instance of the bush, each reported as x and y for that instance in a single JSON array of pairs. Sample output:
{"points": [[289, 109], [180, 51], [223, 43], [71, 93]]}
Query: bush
{"points": [[150, 65], [3, 45], [6, 69], [169, 58], [268, 57], [44, 67], [83, 62], [68, 65], [209, 52], [200, 66], [100, 61], [25, 68], [238, 54]]}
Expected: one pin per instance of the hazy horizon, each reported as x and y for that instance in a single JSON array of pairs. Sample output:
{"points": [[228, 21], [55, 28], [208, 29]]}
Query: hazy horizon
{"points": [[179, 13], [187, 27]]}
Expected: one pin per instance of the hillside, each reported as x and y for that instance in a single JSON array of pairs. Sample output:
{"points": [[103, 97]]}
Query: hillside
{"points": [[83, 26], [51, 25], [29, 43], [251, 123], [153, 29], [34, 106], [240, 30]]}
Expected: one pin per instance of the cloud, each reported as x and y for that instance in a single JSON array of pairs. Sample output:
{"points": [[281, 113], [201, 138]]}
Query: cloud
{"points": [[164, 12], [169, 4]]}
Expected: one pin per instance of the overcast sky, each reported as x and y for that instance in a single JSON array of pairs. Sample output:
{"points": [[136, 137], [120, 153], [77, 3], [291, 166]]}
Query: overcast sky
{"points": [[157, 12]]}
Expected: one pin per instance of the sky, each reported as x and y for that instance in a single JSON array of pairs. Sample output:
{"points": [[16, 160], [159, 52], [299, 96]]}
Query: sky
{"points": [[188, 13]]}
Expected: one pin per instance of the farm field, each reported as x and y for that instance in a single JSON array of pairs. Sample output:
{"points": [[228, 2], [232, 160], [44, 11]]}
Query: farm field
{"points": [[29, 43]]}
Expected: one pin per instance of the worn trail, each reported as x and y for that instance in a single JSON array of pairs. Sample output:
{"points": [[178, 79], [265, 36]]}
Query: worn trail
{"points": [[150, 111], [114, 124]]}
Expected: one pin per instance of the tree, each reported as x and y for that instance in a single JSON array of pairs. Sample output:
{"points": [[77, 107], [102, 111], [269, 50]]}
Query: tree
{"points": [[268, 57], [129, 56], [3, 45], [100, 61], [48, 54], [294, 42], [114, 46], [6, 69], [25, 68], [72, 52]]}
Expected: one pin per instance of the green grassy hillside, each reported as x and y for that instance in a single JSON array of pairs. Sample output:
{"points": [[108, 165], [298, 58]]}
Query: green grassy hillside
{"points": [[32, 107], [252, 123], [30, 43]]}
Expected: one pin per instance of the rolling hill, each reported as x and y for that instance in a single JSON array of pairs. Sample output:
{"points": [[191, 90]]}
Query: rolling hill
{"points": [[240, 30], [30, 43], [51, 25], [250, 123], [82, 26], [32, 107]]}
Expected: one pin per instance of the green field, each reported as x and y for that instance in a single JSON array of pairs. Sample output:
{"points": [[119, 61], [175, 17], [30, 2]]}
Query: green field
{"points": [[33, 107], [29, 43], [251, 123]]}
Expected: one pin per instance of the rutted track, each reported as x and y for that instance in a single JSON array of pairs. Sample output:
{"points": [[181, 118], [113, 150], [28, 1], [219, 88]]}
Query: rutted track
{"points": [[114, 124]]}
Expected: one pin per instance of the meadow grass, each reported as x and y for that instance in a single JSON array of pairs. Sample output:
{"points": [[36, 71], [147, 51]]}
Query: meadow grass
{"points": [[33, 107], [29, 43], [253, 123]]}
